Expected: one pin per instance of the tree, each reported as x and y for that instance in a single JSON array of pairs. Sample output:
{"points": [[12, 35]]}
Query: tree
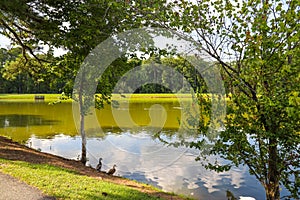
{"points": [[93, 22], [6, 55], [188, 71], [27, 23], [256, 44], [165, 77], [77, 26], [27, 75]]}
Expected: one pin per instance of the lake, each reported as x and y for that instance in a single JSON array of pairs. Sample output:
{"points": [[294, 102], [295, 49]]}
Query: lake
{"points": [[136, 151]]}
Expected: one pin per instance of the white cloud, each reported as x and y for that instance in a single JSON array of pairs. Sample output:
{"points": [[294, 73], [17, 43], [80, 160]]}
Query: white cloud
{"points": [[4, 41]]}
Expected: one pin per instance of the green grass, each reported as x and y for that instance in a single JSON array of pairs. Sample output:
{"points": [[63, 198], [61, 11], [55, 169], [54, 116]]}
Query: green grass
{"points": [[152, 98], [29, 97], [66, 184], [133, 98]]}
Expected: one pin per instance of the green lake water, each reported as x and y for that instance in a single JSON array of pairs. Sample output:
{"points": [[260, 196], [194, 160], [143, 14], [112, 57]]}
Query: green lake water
{"points": [[132, 144]]}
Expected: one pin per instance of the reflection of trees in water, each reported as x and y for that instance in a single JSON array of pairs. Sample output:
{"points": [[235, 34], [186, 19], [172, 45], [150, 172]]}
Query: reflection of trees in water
{"points": [[230, 195], [15, 120], [98, 133]]}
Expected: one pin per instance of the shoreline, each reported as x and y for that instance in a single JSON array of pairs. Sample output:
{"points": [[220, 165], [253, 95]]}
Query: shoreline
{"points": [[14, 151]]}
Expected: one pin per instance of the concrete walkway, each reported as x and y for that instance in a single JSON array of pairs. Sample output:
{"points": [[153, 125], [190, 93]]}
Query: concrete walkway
{"points": [[13, 189]]}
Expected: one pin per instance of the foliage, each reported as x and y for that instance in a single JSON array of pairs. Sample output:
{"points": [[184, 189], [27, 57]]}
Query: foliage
{"points": [[77, 26], [256, 45], [5, 56], [172, 80], [29, 76]]}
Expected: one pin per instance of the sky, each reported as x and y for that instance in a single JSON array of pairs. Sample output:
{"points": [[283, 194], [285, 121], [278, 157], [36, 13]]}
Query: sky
{"points": [[4, 41]]}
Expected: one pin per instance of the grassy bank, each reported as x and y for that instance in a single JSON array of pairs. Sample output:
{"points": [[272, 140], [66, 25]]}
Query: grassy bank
{"points": [[29, 97], [152, 98], [67, 184], [132, 98], [70, 179]]}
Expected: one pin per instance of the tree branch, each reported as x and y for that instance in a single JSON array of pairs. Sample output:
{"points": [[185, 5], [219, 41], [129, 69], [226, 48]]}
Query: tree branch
{"points": [[20, 42]]}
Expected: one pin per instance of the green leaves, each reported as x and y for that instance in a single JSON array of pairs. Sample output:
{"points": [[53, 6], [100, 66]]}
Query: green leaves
{"points": [[257, 45]]}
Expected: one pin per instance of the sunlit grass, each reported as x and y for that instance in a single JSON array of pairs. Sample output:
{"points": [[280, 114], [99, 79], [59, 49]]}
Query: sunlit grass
{"points": [[66, 184], [30, 97], [114, 96], [152, 98], [132, 98]]}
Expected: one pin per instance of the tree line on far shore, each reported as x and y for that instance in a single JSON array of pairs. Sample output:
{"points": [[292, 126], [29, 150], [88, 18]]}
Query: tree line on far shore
{"points": [[21, 76]]}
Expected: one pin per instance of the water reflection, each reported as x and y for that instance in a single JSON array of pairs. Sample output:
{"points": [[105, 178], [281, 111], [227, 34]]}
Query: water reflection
{"points": [[137, 152], [141, 158], [16, 120]]}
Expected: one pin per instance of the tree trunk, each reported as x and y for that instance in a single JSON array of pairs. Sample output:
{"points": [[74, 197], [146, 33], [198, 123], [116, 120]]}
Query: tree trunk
{"points": [[82, 133], [272, 186], [83, 140]]}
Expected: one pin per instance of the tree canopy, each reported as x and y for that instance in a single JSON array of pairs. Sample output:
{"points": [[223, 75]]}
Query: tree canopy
{"points": [[256, 45]]}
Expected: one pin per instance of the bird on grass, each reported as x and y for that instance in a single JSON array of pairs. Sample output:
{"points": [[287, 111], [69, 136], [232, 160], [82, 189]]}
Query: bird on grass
{"points": [[98, 168], [112, 170]]}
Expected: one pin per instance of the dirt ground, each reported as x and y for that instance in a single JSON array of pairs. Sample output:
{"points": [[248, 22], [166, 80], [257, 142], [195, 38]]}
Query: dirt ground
{"points": [[14, 151]]}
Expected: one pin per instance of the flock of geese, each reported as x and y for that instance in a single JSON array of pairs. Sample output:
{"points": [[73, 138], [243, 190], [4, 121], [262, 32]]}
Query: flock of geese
{"points": [[110, 172]]}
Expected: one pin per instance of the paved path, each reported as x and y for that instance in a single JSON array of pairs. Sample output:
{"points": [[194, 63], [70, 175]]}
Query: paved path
{"points": [[13, 189]]}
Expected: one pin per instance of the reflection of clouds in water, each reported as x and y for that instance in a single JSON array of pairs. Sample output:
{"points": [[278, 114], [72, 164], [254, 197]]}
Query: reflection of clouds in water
{"points": [[160, 160], [61, 145], [171, 177], [172, 169], [133, 154], [210, 180], [132, 144], [192, 185], [233, 177], [246, 198], [147, 160], [110, 155], [237, 176]]}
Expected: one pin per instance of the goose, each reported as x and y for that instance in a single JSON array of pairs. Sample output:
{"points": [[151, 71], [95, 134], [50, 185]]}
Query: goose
{"points": [[98, 168], [112, 170]]}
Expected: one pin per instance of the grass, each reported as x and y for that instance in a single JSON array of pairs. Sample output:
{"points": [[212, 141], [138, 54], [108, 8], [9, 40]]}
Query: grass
{"points": [[29, 97], [152, 98], [133, 98], [66, 184]]}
